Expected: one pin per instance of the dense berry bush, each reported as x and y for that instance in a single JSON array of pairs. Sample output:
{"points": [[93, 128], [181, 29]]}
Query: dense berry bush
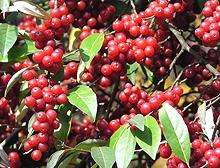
{"points": [[87, 83]]}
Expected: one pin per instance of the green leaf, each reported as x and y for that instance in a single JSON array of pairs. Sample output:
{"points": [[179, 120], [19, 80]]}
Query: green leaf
{"points": [[137, 121], [132, 68], [131, 72], [201, 3], [21, 112], [94, 166], [115, 137], [132, 77], [30, 129], [4, 4], [84, 99], [66, 159], [86, 145], [148, 73], [9, 34], [207, 123], [124, 149], [175, 132], [17, 53], [21, 52], [149, 139], [80, 71], [72, 56], [90, 46], [202, 112], [4, 158], [103, 156], [64, 116], [16, 77], [54, 158], [30, 45], [32, 9], [59, 75], [24, 90], [61, 158]]}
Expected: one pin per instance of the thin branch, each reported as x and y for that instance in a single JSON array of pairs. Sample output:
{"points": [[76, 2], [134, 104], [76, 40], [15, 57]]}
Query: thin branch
{"points": [[217, 125], [181, 72], [114, 92], [217, 98], [55, 4], [187, 48], [165, 40], [133, 6], [12, 137], [71, 53], [171, 66]]}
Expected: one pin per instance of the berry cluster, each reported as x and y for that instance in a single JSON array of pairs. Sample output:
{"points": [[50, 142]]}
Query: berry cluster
{"points": [[53, 28], [20, 65], [45, 124], [28, 24], [115, 124], [91, 13], [70, 71], [162, 9], [195, 74], [175, 162], [7, 119], [203, 153], [139, 102], [210, 91], [43, 97], [126, 40], [81, 129], [105, 131], [160, 63], [209, 29], [49, 58]]}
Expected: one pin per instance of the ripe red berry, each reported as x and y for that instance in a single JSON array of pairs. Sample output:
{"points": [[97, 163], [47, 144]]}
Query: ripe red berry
{"points": [[165, 151], [36, 155]]}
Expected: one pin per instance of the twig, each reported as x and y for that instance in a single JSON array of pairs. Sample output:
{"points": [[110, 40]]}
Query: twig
{"points": [[165, 40], [71, 53], [213, 98], [12, 136], [217, 98], [181, 72], [187, 48], [55, 4], [217, 125], [114, 92], [171, 66], [133, 6]]}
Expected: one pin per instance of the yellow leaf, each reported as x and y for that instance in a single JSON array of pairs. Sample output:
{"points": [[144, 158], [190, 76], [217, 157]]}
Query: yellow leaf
{"points": [[73, 38]]}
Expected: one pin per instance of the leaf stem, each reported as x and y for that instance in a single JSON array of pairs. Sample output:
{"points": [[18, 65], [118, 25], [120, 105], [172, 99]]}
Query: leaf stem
{"points": [[71, 53]]}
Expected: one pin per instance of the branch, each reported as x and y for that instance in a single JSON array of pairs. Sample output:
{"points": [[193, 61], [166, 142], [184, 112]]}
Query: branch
{"points": [[71, 53], [181, 72], [114, 92], [217, 125], [187, 48], [215, 99], [13, 137], [171, 66], [133, 6]]}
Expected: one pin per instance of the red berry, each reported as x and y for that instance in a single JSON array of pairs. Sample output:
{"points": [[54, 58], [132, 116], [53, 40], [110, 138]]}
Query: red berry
{"points": [[36, 155]]}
